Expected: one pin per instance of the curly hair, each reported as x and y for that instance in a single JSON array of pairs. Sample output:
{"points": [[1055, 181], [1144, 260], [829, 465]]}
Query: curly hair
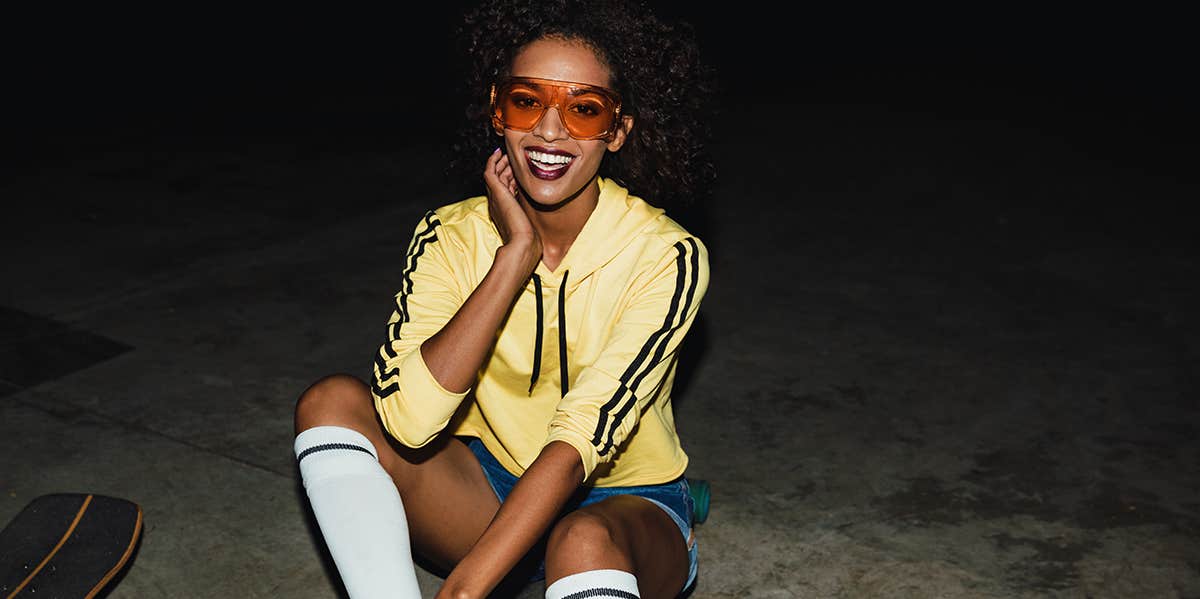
{"points": [[656, 69]]}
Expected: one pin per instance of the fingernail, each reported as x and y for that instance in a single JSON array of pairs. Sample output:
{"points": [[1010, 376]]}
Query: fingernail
{"points": [[496, 150]]}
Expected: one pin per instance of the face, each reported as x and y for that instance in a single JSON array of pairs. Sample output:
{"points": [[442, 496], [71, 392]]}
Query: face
{"points": [[551, 166]]}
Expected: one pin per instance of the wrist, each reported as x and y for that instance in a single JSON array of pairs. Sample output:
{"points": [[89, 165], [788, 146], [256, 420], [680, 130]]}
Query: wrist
{"points": [[523, 253], [456, 588]]}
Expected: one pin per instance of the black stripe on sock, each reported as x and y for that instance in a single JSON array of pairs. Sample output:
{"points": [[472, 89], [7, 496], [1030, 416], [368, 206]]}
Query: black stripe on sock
{"points": [[329, 446], [602, 592]]}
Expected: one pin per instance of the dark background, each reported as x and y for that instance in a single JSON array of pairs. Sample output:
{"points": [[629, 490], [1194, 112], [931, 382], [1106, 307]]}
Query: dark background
{"points": [[1115, 84], [168, 66]]}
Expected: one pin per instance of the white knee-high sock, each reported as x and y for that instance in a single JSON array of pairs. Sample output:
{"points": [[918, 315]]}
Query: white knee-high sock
{"points": [[359, 511], [595, 584]]}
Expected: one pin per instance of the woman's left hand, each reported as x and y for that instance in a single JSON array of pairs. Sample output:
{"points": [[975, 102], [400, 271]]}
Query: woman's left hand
{"points": [[524, 517]]}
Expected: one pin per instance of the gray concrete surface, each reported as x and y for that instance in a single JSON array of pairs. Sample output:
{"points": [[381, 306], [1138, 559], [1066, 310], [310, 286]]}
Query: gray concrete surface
{"points": [[917, 374]]}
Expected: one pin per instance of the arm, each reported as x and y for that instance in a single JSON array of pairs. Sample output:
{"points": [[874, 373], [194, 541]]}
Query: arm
{"points": [[456, 352], [533, 505], [453, 336]]}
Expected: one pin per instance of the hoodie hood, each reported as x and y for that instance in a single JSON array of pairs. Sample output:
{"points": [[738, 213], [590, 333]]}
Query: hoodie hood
{"points": [[617, 220]]}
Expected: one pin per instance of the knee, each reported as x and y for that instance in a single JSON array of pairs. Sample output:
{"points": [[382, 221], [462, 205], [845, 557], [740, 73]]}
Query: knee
{"points": [[336, 399], [583, 533]]}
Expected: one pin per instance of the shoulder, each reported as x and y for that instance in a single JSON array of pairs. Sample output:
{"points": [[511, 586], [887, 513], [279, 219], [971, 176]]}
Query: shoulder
{"points": [[471, 212], [668, 239], [647, 224], [463, 219], [670, 233]]}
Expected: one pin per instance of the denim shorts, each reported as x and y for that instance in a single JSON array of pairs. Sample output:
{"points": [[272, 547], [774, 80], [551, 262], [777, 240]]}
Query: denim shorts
{"points": [[674, 498]]}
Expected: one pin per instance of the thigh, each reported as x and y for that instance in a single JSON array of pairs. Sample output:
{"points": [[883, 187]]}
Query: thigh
{"points": [[623, 532], [447, 499]]}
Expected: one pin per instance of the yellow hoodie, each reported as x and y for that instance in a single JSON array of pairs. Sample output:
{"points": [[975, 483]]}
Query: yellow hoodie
{"points": [[587, 355]]}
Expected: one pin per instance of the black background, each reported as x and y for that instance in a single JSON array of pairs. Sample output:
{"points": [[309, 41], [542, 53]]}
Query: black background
{"points": [[91, 66], [1117, 82]]}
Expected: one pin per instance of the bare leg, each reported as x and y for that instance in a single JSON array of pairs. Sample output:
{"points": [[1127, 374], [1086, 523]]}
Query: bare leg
{"points": [[624, 533], [447, 499]]}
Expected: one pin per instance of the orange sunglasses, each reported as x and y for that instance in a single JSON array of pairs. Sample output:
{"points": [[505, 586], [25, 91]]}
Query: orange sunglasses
{"points": [[587, 111]]}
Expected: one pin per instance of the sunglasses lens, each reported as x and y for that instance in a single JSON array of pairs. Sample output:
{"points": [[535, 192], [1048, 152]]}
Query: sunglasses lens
{"points": [[520, 107], [586, 114]]}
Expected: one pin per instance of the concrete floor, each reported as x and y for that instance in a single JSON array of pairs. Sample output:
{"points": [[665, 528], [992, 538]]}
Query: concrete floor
{"points": [[921, 370]]}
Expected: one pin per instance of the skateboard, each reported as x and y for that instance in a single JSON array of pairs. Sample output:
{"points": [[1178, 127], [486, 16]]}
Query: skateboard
{"points": [[67, 545]]}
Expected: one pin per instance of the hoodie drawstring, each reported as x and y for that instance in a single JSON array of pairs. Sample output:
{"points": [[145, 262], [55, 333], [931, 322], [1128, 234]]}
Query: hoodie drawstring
{"points": [[537, 343], [562, 334]]}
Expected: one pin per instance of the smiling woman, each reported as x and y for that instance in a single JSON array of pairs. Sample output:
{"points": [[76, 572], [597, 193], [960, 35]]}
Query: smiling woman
{"points": [[519, 423], [656, 71], [559, 145]]}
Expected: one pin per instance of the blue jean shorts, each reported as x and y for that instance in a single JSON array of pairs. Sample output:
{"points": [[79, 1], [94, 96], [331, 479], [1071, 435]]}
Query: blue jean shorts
{"points": [[674, 498]]}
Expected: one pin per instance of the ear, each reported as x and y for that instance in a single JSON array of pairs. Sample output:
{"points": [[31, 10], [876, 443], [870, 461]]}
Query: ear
{"points": [[622, 133]]}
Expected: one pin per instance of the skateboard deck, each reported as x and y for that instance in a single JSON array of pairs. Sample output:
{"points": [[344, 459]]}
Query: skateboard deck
{"points": [[67, 545]]}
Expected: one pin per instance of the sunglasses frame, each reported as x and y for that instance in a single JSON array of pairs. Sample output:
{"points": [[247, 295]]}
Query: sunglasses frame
{"points": [[608, 135]]}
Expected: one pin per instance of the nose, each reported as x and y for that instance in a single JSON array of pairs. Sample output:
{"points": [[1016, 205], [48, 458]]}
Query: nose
{"points": [[550, 127]]}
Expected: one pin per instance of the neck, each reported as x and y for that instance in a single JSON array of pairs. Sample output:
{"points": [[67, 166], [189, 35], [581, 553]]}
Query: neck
{"points": [[559, 225]]}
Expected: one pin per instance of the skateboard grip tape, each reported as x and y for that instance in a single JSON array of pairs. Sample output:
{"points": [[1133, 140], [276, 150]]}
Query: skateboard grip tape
{"points": [[67, 545]]}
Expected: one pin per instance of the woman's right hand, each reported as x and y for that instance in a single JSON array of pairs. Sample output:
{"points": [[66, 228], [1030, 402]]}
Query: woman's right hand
{"points": [[511, 221]]}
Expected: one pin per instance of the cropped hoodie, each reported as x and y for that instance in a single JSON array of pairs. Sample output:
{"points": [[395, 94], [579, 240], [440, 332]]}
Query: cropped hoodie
{"points": [[586, 356]]}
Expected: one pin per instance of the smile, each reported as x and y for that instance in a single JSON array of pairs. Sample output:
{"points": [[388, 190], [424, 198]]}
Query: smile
{"points": [[548, 164]]}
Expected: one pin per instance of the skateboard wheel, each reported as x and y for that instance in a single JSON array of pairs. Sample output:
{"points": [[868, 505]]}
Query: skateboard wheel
{"points": [[701, 493]]}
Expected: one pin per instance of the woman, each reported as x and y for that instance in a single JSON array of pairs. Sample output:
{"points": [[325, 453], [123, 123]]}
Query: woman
{"points": [[521, 407]]}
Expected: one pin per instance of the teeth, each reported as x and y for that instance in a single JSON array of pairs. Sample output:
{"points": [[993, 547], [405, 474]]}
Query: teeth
{"points": [[545, 158]]}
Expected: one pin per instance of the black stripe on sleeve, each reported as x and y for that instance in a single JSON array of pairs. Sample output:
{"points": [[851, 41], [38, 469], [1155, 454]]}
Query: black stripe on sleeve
{"points": [[626, 384], [381, 391], [662, 348], [382, 372], [416, 249], [687, 305], [422, 239]]}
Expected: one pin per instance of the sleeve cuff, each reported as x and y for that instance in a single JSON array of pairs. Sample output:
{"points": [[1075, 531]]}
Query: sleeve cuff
{"points": [[420, 407], [587, 452], [416, 376]]}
